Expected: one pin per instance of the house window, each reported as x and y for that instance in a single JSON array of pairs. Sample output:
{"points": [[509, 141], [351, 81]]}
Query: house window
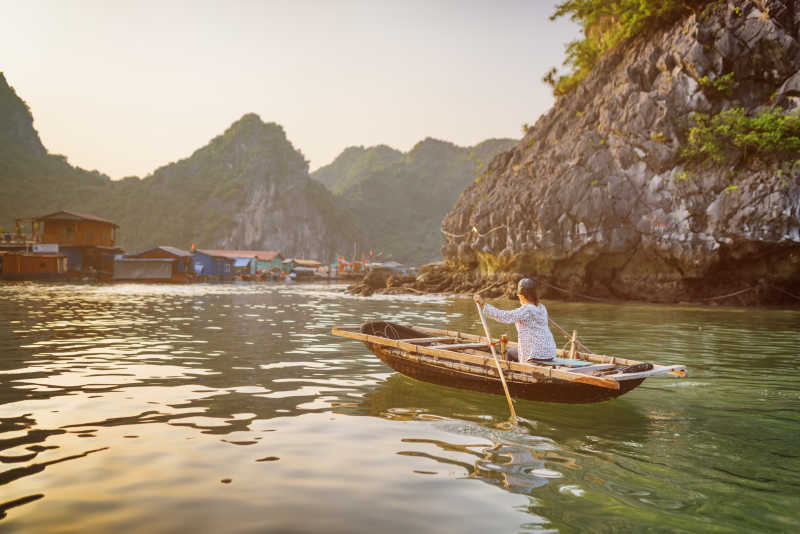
{"points": [[227, 267]]}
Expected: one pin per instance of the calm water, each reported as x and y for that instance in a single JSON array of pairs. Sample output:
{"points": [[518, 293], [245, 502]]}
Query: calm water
{"points": [[230, 408]]}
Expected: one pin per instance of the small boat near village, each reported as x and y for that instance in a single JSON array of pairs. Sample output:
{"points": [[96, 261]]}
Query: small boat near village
{"points": [[460, 360]]}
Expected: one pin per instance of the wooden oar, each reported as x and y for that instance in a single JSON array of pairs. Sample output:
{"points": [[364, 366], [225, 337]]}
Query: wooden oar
{"points": [[496, 361]]}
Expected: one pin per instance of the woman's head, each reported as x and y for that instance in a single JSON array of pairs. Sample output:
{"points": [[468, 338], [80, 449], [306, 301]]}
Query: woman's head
{"points": [[527, 288]]}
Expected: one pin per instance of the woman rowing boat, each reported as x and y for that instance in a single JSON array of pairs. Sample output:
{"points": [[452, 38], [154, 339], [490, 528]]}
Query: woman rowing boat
{"points": [[535, 339]]}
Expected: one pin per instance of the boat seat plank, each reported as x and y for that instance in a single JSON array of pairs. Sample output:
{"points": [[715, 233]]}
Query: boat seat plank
{"points": [[419, 340], [461, 346]]}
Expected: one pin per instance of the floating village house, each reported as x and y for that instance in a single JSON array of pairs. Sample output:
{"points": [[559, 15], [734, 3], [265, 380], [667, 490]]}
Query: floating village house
{"points": [[87, 241], [24, 265], [58, 244], [251, 262], [159, 264], [212, 265], [302, 268]]}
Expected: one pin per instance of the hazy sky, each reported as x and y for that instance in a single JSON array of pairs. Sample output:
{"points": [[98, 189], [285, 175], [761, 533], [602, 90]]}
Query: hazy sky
{"points": [[127, 86]]}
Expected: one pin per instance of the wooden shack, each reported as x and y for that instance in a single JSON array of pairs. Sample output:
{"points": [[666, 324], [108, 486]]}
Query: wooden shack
{"points": [[159, 264], [88, 242], [301, 268], [251, 261], [26, 265], [68, 228], [213, 266]]}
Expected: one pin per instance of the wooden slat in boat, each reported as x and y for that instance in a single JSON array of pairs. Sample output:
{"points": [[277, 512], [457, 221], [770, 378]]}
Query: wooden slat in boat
{"points": [[426, 340], [459, 346]]}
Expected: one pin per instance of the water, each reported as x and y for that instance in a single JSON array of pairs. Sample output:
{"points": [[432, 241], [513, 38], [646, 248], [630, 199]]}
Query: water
{"points": [[231, 408]]}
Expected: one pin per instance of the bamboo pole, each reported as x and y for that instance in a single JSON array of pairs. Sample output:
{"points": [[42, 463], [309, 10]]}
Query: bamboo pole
{"points": [[496, 361], [572, 344]]}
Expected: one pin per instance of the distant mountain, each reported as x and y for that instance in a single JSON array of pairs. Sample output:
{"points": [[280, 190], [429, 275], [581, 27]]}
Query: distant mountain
{"points": [[399, 200], [246, 189], [32, 181], [355, 165]]}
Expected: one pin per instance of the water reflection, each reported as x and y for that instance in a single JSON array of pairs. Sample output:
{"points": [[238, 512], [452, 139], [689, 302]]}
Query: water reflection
{"points": [[146, 401]]}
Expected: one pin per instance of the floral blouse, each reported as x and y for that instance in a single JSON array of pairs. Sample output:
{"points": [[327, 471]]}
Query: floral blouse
{"points": [[535, 339]]}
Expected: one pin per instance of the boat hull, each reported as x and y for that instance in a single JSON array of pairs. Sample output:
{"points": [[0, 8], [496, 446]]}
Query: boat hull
{"points": [[552, 390]]}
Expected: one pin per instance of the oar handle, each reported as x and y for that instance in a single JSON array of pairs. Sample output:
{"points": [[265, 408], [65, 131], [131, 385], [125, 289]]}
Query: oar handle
{"points": [[496, 361]]}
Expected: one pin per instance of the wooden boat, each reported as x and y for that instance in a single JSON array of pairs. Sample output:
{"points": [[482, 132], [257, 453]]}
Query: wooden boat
{"points": [[462, 360]]}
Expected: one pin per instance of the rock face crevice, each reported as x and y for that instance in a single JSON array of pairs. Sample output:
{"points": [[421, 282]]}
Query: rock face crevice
{"points": [[598, 199]]}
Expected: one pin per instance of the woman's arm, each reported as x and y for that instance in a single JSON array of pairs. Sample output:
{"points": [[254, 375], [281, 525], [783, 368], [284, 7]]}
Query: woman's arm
{"points": [[504, 316]]}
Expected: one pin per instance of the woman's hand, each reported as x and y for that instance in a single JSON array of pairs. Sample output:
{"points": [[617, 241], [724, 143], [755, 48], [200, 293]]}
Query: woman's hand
{"points": [[479, 299]]}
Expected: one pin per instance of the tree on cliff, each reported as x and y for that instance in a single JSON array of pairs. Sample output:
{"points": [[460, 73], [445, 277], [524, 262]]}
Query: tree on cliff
{"points": [[605, 25]]}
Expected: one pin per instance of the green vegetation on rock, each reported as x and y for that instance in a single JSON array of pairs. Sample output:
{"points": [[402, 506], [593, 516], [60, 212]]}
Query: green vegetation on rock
{"points": [[721, 86], [734, 133], [605, 25]]}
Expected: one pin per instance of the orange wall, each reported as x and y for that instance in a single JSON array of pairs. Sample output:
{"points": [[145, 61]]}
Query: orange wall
{"points": [[33, 264], [79, 233]]}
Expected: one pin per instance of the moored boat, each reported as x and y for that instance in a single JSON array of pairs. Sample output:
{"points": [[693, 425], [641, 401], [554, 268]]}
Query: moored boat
{"points": [[460, 360]]}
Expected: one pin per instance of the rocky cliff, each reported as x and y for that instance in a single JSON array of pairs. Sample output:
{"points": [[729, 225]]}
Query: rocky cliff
{"points": [[600, 200], [248, 188], [16, 124]]}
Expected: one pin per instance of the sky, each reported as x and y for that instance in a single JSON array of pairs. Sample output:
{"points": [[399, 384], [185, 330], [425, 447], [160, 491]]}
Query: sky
{"points": [[125, 87]]}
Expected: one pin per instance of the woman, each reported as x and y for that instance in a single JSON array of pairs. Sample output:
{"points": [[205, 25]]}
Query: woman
{"points": [[535, 340]]}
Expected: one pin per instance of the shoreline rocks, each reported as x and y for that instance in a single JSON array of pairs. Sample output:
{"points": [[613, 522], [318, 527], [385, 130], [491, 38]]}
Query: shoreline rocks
{"points": [[441, 278]]}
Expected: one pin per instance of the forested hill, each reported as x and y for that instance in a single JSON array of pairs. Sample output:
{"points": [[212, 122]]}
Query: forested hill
{"points": [[34, 182], [248, 188], [399, 200], [354, 165]]}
